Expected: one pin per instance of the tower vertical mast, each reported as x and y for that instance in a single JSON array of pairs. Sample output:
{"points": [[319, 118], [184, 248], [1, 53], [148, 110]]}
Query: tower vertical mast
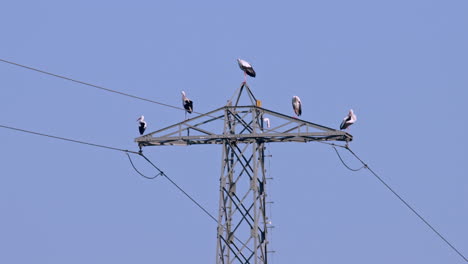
{"points": [[242, 232]]}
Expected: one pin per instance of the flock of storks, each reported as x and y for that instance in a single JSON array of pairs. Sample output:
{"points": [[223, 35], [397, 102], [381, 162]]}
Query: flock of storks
{"points": [[248, 70]]}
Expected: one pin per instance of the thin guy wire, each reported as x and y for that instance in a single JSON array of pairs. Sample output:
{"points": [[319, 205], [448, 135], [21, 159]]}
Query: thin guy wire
{"points": [[342, 161], [67, 139], [92, 85], [409, 206]]}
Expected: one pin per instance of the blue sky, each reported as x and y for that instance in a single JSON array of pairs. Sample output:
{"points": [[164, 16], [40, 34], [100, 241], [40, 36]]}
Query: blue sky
{"points": [[401, 65]]}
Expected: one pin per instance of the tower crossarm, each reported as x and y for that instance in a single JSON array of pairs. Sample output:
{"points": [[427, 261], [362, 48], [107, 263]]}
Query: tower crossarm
{"points": [[200, 130]]}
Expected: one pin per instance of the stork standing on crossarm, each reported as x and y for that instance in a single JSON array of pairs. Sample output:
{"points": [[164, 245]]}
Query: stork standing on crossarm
{"points": [[348, 120], [187, 103], [297, 105], [246, 68], [142, 126]]}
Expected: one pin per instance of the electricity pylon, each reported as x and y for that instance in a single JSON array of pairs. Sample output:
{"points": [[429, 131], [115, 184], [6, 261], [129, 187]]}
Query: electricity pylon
{"points": [[242, 233]]}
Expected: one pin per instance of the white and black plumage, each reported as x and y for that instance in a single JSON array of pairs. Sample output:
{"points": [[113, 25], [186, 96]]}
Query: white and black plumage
{"points": [[348, 120], [297, 105], [187, 103], [142, 126], [246, 68]]}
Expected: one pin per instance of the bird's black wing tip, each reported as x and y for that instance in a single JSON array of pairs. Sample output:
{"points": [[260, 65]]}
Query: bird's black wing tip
{"points": [[251, 72]]}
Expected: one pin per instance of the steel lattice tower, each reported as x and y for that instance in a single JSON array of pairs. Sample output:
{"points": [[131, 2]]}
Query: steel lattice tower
{"points": [[242, 232]]}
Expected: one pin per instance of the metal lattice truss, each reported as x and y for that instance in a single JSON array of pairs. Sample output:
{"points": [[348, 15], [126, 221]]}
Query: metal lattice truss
{"points": [[284, 128], [207, 129], [242, 233], [242, 221]]}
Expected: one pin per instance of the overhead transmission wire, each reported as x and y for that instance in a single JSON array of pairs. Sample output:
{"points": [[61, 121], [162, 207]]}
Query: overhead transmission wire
{"points": [[121, 150], [68, 139], [365, 165], [121, 93], [91, 85], [179, 108], [126, 152]]}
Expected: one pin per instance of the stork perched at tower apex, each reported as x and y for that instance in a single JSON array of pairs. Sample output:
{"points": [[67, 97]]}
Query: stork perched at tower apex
{"points": [[297, 105], [348, 120], [246, 68], [142, 122]]}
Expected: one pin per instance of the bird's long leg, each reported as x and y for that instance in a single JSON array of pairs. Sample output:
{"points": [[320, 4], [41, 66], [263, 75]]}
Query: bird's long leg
{"points": [[185, 115], [245, 77]]}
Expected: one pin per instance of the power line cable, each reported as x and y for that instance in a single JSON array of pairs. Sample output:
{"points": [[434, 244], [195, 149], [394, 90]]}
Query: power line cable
{"points": [[162, 173], [68, 139], [125, 151], [407, 205], [121, 150], [116, 149], [91, 85], [100, 87]]}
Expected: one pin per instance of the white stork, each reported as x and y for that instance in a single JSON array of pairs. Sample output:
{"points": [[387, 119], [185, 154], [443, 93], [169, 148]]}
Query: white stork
{"points": [[348, 120], [187, 103], [246, 68], [297, 105], [142, 126]]}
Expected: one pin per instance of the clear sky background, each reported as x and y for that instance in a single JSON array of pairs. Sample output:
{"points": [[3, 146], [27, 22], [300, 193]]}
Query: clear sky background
{"points": [[401, 65]]}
